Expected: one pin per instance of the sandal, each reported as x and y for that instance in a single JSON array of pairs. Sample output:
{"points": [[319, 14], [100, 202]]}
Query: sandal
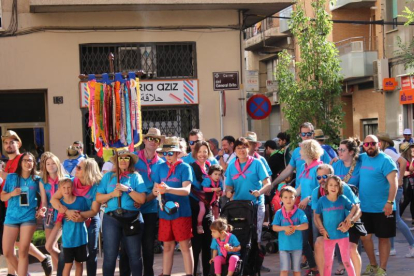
{"points": [[200, 229], [340, 271]]}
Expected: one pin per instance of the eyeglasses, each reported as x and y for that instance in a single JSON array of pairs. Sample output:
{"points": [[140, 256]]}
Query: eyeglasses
{"points": [[170, 153], [304, 134], [153, 139], [193, 142], [28, 160], [124, 158], [367, 144], [319, 177], [341, 150], [79, 168], [241, 148]]}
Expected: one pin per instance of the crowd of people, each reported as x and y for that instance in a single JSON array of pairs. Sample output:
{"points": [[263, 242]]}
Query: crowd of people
{"points": [[338, 200]]}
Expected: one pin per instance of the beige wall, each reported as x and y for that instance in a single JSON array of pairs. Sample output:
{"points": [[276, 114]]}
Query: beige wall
{"points": [[50, 60]]}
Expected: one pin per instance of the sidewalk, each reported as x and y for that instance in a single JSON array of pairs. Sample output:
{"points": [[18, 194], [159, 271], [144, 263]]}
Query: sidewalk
{"points": [[397, 266]]}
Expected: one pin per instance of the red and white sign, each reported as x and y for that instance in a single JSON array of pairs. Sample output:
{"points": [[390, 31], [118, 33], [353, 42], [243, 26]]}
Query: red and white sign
{"points": [[407, 90]]}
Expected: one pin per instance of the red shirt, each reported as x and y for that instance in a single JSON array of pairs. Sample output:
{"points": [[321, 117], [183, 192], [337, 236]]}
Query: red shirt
{"points": [[11, 167]]}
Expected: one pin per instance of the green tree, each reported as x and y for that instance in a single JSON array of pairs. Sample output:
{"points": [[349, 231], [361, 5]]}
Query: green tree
{"points": [[312, 95], [406, 50]]}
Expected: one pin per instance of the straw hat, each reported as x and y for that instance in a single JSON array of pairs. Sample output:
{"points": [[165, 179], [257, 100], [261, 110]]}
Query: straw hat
{"points": [[385, 137], [11, 134], [171, 144], [156, 133], [319, 135], [252, 137], [124, 152], [72, 152], [405, 146]]}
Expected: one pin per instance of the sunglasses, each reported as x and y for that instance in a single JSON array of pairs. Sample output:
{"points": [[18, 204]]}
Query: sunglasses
{"points": [[319, 177], [28, 160], [341, 150], [367, 144], [170, 153], [79, 168], [304, 134], [153, 139], [125, 158], [193, 142]]}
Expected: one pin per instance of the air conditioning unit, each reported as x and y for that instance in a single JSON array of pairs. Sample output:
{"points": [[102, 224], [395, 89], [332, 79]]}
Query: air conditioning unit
{"points": [[275, 97], [380, 68], [357, 46]]}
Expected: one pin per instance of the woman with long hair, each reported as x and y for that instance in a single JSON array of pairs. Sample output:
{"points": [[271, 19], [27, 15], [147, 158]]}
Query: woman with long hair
{"points": [[20, 191]]}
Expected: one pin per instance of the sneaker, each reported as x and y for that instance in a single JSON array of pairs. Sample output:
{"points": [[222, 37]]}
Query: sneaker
{"points": [[264, 269], [47, 265], [410, 253], [370, 270], [381, 272], [393, 252], [312, 273], [200, 229]]}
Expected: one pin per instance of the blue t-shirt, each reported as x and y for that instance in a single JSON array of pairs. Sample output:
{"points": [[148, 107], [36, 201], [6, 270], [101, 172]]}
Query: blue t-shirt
{"points": [[341, 171], [189, 159], [255, 174], [15, 213], [182, 174], [266, 165], [91, 195], [207, 183], [307, 182], [297, 162], [348, 193], [233, 241], [373, 183], [74, 234], [108, 184], [294, 241], [333, 214], [331, 152], [48, 190], [141, 167]]}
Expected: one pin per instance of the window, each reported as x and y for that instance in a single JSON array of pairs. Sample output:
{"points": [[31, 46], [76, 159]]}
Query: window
{"points": [[157, 60], [370, 126], [271, 69], [391, 14], [1, 17]]}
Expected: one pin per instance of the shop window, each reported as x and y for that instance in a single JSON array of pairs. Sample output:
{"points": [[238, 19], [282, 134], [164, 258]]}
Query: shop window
{"points": [[370, 126]]}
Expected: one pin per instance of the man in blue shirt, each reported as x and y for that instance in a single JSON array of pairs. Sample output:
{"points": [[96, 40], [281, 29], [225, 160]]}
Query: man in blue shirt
{"points": [[407, 136], [377, 191]]}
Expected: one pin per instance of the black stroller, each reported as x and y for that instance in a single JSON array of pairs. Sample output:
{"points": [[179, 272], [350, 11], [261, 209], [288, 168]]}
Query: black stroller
{"points": [[241, 214]]}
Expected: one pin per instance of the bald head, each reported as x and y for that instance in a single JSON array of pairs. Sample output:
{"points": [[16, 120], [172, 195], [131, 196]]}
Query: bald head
{"points": [[371, 138], [371, 145]]}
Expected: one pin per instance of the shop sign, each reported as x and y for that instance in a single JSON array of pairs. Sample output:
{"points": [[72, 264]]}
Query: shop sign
{"points": [[225, 81], [252, 81], [407, 90], [389, 84]]}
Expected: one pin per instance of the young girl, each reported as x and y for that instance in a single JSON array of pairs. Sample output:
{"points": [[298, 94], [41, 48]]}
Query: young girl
{"points": [[286, 221], [213, 187], [224, 245], [334, 208]]}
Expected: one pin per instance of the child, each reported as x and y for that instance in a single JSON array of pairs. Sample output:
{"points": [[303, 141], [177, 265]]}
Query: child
{"points": [[74, 234], [224, 245], [333, 207], [213, 185], [287, 220]]}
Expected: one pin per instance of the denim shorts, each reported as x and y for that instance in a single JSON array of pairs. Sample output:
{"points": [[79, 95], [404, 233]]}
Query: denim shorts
{"points": [[285, 260], [18, 225]]}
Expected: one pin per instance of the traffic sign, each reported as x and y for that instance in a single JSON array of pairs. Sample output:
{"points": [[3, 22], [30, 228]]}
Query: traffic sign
{"points": [[259, 107], [225, 81]]}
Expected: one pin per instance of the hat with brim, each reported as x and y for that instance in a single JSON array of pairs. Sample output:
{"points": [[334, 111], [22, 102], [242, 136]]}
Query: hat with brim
{"points": [[252, 138], [72, 152], [319, 135], [385, 137], [405, 146], [156, 133], [124, 152], [171, 144], [11, 134]]}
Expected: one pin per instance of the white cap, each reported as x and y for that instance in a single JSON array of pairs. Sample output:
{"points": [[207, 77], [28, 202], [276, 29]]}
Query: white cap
{"points": [[407, 131]]}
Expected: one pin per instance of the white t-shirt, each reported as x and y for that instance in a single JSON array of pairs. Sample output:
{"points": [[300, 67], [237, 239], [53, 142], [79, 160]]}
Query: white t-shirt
{"points": [[394, 156], [107, 166]]}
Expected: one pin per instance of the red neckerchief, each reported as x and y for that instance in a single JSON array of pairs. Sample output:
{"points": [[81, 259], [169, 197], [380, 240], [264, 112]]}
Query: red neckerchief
{"points": [[79, 189], [124, 174], [154, 160], [11, 165], [321, 191], [171, 170], [214, 185], [240, 172], [53, 184], [256, 155], [308, 168], [222, 244], [203, 168], [288, 215]]}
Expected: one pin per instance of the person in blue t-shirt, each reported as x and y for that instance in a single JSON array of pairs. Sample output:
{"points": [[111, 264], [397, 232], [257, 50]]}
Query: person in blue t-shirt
{"points": [[225, 246], [172, 184], [20, 191], [213, 187], [121, 195], [378, 186], [74, 233], [194, 136], [289, 221], [333, 207]]}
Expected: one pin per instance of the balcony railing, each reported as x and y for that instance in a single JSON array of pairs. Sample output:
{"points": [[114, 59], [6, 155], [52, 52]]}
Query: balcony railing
{"points": [[352, 4]]}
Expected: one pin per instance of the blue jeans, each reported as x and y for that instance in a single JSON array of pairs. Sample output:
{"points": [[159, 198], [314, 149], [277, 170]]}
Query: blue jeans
{"points": [[400, 223], [113, 235], [307, 249], [285, 260]]}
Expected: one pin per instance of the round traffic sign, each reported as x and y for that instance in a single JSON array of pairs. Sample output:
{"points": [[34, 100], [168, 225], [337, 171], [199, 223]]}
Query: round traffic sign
{"points": [[259, 107]]}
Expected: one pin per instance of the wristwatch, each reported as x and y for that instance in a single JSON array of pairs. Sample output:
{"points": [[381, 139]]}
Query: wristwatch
{"points": [[390, 202], [129, 190]]}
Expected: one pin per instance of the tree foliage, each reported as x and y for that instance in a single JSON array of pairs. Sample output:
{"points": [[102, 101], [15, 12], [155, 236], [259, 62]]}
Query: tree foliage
{"points": [[314, 93], [406, 50]]}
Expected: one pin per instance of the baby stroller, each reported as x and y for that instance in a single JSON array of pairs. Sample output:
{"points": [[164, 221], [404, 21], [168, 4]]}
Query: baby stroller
{"points": [[241, 214]]}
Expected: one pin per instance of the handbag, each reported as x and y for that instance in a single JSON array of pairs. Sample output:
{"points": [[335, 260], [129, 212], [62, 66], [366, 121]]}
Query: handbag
{"points": [[359, 228]]}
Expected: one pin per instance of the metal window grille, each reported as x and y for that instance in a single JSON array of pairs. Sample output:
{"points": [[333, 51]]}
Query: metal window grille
{"points": [[157, 60]]}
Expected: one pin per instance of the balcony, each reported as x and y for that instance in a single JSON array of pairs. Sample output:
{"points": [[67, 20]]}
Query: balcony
{"points": [[253, 7], [268, 32], [352, 4], [357, 55]]}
